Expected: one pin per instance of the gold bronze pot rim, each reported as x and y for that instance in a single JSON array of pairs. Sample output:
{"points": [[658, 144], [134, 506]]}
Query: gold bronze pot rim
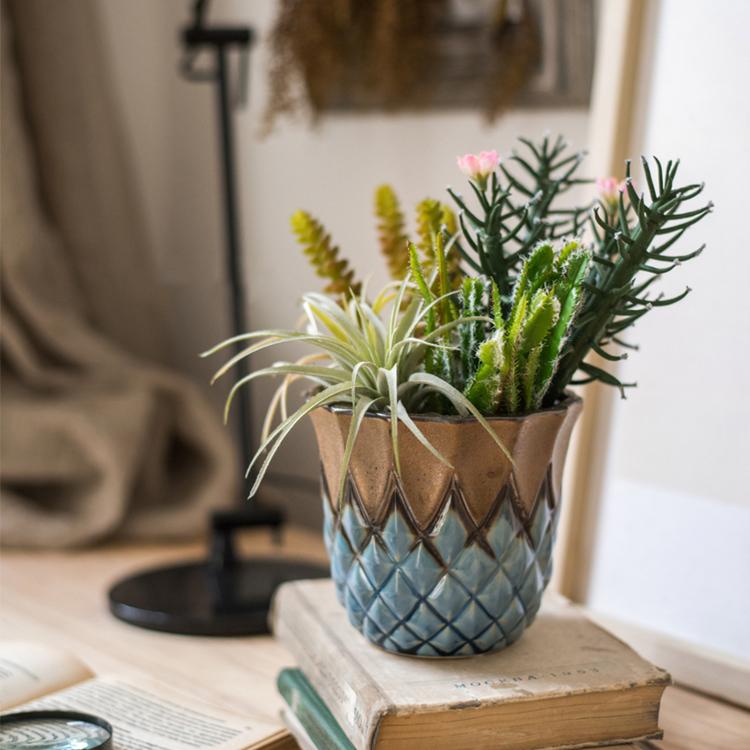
{"points": [[565, 404]]}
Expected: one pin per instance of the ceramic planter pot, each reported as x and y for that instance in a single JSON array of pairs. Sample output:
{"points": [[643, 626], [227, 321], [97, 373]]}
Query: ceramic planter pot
{"points": [[441, 561]]}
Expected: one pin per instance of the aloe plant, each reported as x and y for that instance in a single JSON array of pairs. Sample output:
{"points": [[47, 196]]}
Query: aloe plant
{"points": [[368, 356]]}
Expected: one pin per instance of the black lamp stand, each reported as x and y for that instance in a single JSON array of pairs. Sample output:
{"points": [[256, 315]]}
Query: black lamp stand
{"points": [[224, 594]]}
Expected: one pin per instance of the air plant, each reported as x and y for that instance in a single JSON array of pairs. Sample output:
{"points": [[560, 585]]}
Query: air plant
{"points": [[369, 357]]}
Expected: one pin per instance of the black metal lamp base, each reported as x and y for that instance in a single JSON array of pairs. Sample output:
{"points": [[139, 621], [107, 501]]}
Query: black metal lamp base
{"points": [[221, 596]]}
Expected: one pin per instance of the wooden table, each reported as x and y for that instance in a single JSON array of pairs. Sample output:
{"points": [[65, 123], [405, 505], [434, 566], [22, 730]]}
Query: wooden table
{"points": [[59, 599]]}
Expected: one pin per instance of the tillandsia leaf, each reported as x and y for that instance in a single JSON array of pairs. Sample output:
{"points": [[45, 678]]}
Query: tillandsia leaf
{"points": [[279, 397], [363, 359], [391, 231], [462, 405], [611, 299], [316, 375], [360, 408], [410, 425], [391, 379], [339, 351], [276, 438], [323, 254]]}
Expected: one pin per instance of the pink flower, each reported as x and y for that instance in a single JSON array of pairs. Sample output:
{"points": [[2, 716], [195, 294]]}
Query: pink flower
{"points": [[478, 167], [610, 188]]}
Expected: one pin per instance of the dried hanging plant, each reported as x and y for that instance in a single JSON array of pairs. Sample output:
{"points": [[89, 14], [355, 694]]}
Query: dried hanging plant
{"points": [[391, 54]]}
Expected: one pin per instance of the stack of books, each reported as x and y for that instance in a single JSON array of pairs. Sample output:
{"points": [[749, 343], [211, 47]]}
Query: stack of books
{"points": [[565, 684]]}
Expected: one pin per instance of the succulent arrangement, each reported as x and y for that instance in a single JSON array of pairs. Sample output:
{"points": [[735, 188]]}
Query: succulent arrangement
{"points": [[494, 309]]}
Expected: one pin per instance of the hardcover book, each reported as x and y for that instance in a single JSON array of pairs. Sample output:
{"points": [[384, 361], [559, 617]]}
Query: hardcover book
{"points": [[312, 725], [566, 684]]}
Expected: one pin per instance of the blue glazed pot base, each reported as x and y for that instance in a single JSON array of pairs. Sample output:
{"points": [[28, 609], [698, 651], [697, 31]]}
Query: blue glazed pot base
{"points": [[456, 588]]}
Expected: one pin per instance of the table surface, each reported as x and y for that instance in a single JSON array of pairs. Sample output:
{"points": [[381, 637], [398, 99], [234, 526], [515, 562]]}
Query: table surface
{"points": [[58, 598]]}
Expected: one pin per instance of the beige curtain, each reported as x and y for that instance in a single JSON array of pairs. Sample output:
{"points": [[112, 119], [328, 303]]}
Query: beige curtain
{"points": [[99, 437]]}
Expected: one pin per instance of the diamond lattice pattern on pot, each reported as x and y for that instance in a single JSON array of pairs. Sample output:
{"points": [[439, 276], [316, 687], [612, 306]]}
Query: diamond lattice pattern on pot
{"points": [[459, 588]]}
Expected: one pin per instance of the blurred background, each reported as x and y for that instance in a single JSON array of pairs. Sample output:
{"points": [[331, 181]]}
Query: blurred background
{"points": [[114, 270]]}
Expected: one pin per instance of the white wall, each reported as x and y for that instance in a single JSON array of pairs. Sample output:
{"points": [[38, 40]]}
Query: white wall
{"points": [[331, 171], [674, 549]]}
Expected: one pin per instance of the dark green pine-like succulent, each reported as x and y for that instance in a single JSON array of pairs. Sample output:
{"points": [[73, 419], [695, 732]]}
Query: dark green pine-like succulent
{"points": [[518, 209], [630, 254]]}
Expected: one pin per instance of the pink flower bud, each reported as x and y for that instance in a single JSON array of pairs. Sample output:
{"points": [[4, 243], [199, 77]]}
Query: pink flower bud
{"points": [[468, 164], [488, 161], [478, 167], [610, 188]]}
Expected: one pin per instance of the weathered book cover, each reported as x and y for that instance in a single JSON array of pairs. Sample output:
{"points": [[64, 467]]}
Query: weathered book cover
{"points": [[311, 723], [565, 683]]}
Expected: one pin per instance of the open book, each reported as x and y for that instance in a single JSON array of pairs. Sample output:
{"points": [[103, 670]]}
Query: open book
{"points": [[143, 713]]}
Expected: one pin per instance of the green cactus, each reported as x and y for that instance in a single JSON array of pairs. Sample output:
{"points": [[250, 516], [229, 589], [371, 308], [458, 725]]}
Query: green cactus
{"points": [[516, 363], [485, 387], [471, 334]]}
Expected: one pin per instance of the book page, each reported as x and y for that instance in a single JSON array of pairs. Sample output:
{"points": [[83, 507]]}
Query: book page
{"points": [[147, 715], [30, 670]]}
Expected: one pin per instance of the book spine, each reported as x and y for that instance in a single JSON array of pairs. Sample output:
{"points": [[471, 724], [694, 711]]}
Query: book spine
{"points": [[312, 714], [349, 692]]}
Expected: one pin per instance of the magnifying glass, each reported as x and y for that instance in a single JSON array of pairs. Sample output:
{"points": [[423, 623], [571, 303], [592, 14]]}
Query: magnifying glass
{"points": [[54, 730]]}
